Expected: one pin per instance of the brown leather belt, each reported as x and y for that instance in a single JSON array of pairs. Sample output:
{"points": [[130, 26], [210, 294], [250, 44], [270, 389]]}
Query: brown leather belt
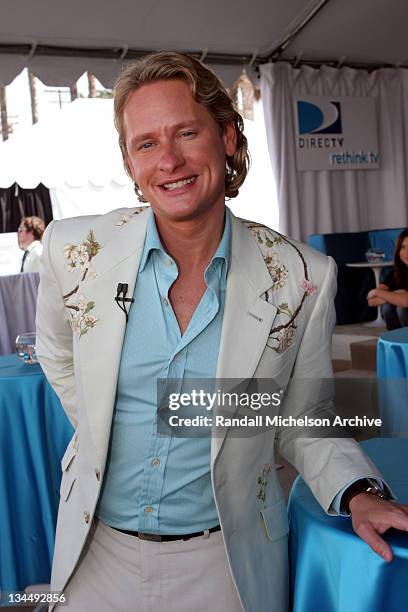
{"points": [[155, 537]]}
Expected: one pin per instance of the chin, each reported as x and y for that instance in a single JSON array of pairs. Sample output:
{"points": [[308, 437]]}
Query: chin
{"points": [[179, 211]]}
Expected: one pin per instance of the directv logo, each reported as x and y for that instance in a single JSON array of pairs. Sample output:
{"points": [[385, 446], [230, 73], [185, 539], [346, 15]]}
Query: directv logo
{"points": [[321, 121]]}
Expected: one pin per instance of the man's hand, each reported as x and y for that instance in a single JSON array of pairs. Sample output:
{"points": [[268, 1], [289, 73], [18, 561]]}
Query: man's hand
{"points": [[371, 516]]}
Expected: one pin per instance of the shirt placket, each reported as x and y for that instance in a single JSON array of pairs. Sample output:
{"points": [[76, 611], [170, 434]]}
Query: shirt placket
{"points": [[158, 449], [159, 446]]}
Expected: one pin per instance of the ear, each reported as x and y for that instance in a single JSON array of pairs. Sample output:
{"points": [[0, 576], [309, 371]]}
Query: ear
{"points": [[229, 137]]}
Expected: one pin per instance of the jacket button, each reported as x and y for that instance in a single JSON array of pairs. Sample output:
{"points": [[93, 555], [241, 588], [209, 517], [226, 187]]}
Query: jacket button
{"points": [[97, 474], [87, 516]]}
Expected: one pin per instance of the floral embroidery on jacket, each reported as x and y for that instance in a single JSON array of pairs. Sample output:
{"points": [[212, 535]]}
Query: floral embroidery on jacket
{"points": [[123, 219], [284, 339], [308, 287], [277, 270], [281, 336], [262, 482], [81, 319], [139, 209], [79, 257]]}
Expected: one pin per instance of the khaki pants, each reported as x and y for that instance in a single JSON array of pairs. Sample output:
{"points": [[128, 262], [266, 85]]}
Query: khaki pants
{"points": [[118, 572]]}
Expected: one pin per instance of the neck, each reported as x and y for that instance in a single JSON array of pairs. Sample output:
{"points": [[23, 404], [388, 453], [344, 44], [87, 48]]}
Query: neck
{"points": [[192, 243], [27, 246]]}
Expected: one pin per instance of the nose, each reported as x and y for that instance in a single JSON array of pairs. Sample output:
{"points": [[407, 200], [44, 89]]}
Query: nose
{"points": [[171, 157]]}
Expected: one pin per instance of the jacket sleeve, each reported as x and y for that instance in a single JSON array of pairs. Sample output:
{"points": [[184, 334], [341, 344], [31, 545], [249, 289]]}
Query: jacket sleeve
{"points": [[327, 464], [54, 341]]}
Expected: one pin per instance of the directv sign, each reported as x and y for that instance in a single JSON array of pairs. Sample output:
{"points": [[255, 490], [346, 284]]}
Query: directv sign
{"points": [[336, 133]]}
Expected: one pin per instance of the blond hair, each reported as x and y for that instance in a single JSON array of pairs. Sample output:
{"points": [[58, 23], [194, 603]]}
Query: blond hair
{"points": [[206, 89]]}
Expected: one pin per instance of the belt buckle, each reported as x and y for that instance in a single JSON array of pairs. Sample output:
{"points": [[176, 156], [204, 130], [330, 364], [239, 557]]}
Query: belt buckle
{"points": [[149, 537]]}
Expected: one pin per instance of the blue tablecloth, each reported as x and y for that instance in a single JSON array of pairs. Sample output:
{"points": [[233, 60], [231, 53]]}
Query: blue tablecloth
{"points": [[34, 433], [392, 354], [332, 570], [392, 374]]}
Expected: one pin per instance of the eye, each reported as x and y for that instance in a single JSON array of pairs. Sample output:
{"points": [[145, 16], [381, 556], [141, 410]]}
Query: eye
{"points": [[145, 146], [189, 133]]}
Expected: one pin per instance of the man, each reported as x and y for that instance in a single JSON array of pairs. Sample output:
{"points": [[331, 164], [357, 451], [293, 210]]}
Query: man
{"points": [[154, 522], [29, 235]]}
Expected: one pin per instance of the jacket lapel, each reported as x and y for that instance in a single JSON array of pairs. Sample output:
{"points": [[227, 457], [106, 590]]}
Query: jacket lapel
{"points": [[100, 350], [248, 317]]}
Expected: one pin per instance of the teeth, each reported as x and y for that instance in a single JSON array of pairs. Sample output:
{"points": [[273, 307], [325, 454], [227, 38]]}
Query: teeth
{"points": [[178, 184]]}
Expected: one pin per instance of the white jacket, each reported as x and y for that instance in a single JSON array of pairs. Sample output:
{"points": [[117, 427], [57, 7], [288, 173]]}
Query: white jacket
{"points": [[278, 322]]}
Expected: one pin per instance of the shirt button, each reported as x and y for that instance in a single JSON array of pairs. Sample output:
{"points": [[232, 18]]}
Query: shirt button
{"points": [[177, 356], [165, 301], [148, 509], [156, 462], [97, 474], [87, 516], [168, 262]]}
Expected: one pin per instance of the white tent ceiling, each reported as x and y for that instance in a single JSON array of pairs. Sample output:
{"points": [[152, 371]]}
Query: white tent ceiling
{"points": [[364, 31], [60, 40]]}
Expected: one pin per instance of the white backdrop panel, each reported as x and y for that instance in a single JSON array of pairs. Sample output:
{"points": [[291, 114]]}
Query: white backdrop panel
{"points": [[328, 201]]}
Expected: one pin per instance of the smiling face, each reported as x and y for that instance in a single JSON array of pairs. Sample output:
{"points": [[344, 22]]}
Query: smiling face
{"points": [[403, 252], [176, 151]]}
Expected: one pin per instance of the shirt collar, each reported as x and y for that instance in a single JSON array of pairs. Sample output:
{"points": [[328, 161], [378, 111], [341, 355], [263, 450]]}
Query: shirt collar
{"points": [[32, 245], [223, 250], [152, 241]]}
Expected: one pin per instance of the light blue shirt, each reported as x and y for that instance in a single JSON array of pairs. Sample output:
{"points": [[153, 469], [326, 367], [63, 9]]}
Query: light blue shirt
{"points": [[160, 483]]}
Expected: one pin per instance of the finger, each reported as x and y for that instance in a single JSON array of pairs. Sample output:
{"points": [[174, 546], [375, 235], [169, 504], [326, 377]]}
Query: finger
{"points": [[397, 519], [375, 541], [403, 507]]}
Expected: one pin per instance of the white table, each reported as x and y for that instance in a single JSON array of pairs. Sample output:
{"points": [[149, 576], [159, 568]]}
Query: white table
{"points": [[376, 267], [18, 298]]}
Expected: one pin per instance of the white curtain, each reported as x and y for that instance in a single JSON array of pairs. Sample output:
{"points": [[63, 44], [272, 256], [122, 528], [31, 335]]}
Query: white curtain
{"points": [[338, 201], [257, 198]]}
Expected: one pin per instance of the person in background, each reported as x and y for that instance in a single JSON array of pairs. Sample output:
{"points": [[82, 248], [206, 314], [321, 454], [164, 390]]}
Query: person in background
{"points": [[392, 294], [30, 233]]}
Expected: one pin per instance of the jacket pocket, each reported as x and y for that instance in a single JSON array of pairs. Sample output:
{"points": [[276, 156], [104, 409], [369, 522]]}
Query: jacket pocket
{"points": [[275, 520], [67, 482], [68, 469], [70, 453]]}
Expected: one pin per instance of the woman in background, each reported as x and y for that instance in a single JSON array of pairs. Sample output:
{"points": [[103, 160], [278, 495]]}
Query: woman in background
{"points": [[392, 294]]}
